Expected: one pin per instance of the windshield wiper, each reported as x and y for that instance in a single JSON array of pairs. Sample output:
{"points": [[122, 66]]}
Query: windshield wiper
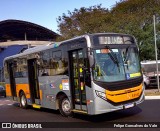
{"points": [[125, 54], [113, 56]]}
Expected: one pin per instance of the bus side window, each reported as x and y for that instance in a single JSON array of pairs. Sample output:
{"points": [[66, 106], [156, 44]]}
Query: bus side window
{"points": [[59, 64], [43, 63], [51, 63]]}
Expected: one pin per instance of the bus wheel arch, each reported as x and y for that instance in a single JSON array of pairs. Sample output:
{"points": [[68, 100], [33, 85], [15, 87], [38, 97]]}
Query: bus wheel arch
{"points": [[23, 99], [63, 104]]}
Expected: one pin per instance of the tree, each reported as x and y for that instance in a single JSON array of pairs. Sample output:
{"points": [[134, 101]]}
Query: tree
{"points": [[82, 21], [133, 17], [136, 17]]}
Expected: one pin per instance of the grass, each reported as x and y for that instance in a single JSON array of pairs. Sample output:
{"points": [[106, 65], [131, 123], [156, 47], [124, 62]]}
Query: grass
{"points": [[152, 92]]}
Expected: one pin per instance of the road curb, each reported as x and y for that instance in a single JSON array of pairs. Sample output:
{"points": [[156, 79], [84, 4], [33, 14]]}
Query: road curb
{"points": [[152, 97]]}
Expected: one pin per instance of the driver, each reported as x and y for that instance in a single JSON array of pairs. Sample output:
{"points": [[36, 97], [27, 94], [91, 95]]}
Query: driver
{"points": [[109, 67]]}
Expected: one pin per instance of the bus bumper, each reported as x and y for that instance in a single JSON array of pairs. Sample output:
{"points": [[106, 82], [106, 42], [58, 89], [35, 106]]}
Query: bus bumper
{"points": [[102, 106]]}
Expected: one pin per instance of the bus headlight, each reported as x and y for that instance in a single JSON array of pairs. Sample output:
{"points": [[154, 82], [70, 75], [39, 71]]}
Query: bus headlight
{"points": [[101, 94]]}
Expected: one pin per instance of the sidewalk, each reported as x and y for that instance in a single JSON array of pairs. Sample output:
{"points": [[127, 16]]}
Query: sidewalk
{"points": [[151, 94]]}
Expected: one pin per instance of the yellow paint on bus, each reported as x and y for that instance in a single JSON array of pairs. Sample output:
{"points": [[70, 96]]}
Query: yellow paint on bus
{"points": [[124, 95], [8, 90]]}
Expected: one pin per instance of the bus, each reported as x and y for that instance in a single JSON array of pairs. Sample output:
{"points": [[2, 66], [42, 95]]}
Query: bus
{"points": [[90, 74]]}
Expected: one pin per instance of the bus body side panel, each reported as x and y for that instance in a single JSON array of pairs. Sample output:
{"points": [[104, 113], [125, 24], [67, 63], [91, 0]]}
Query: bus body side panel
{"points": [[8, 88], [22, 85], [90, 100], [50, 87]]}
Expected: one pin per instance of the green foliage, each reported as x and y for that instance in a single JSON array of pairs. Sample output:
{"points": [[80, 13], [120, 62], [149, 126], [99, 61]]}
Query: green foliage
{"points": [[133, 17], [82, 21]]}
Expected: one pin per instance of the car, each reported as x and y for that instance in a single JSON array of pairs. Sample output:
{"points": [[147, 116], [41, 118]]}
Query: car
{"points": [[146, 80], [2, 91]]}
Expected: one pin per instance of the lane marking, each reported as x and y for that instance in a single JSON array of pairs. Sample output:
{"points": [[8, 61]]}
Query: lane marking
{"points": [[152, 97], [9, 104], [7, 100], [6, 104]]}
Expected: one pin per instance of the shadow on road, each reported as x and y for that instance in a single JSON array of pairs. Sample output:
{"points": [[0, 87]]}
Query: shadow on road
{"points": [[40, 110], [111, 116]]}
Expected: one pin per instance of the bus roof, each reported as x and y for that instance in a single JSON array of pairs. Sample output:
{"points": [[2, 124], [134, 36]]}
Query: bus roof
{"points": [[86, 35], [35, 49], [56, 44]]}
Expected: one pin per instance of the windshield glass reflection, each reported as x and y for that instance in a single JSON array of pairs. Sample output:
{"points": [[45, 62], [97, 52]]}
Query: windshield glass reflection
{"points": [[116, 64]]}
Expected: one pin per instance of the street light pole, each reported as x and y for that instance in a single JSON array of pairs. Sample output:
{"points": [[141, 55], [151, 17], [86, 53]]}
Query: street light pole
{"points": [[155, 40]]}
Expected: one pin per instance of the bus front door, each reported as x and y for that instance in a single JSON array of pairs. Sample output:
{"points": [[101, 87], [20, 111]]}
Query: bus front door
{"points": [[33, 81], [77, 64]]}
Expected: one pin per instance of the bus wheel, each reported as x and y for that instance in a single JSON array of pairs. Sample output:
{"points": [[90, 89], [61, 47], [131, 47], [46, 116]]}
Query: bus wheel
{"points": [[23, 101], [65, 106]]}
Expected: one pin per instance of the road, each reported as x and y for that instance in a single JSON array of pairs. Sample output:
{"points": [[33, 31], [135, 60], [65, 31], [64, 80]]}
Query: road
{"points": [[148, 111]]}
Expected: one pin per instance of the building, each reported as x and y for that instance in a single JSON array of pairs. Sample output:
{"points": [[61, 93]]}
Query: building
{"points": [[18, 35]]}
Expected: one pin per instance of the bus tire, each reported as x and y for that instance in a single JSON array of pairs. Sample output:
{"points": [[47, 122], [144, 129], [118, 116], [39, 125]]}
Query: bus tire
{"points": [[65, 106], [23, 101]]}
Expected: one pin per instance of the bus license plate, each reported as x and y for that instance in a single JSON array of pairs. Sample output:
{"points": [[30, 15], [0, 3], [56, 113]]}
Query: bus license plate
{"points": [[128, 106]]}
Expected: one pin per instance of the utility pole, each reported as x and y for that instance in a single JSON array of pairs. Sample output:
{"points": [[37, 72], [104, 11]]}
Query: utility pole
{"points": [[155, 40]]}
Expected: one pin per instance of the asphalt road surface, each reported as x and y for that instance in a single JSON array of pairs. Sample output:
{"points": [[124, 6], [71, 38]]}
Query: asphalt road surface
{"points": [[147, 112]]}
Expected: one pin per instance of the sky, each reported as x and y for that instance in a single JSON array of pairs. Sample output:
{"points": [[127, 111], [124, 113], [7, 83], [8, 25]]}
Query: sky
{"points": [[45, 12]]}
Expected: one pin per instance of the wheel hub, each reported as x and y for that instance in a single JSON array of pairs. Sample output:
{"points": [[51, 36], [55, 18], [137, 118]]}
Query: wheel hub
{"points": [[23, 100], [66, 106]]}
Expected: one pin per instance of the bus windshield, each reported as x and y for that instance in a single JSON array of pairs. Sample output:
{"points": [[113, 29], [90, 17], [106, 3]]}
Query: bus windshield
{"points": [[113, 65]]}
